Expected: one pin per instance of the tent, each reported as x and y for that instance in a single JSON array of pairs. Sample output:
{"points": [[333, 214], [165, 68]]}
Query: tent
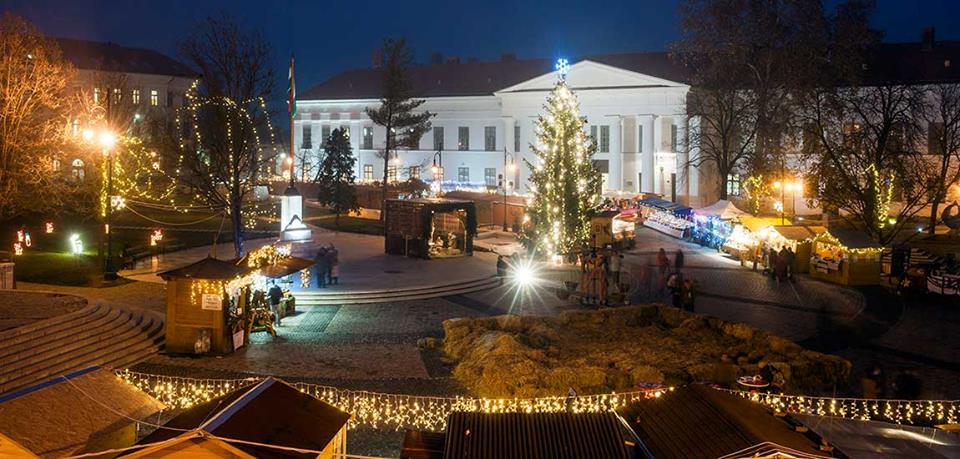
{"points": [[722, 209]]}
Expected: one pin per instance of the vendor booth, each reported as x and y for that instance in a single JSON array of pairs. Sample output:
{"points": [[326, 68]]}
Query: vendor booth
{"points": [[746, 240], [198, 306], [610, 229], [845, 257], [713, 225], [430, 227], [665, 216], [799, 239]]}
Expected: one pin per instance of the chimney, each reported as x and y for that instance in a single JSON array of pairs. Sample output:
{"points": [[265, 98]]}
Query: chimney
{"points": [[453, 60], [508, 57], [436, 58], [471, 60], [928, 39], [375, 58]]}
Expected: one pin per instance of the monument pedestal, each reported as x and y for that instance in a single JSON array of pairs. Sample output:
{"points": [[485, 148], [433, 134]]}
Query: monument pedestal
{"points": [[292, 227]]}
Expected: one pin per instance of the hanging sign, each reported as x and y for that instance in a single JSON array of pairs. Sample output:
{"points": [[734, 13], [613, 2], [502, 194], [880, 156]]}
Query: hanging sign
{"points": [[211, 302]]}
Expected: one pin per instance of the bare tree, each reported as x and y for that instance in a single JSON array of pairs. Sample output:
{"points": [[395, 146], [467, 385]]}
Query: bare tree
{"points": [[32, 80], [225, 118], [403, 125], [942, 116], [748, 57]]}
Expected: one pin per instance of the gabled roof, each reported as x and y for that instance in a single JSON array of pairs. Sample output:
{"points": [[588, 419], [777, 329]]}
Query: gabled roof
{"points": [[483, 78], [111, 57], [269, 412], [698, 421], [62, 416], [208, 268], [913, 63], [555, 435]]}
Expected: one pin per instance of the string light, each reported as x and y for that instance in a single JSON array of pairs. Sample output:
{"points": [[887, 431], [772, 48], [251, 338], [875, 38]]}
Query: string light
{"points": [[17, 248], [380, 410], [48, 226], [270, 254]]}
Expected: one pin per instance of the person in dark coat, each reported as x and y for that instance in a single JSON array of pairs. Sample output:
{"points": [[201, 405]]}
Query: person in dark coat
{"points": [[321, 266], [678, 260], [275, 294]]}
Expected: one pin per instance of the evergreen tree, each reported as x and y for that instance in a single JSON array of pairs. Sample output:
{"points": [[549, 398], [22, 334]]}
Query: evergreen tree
{"points": [[335, 177], [397, 113], [564, 182]]}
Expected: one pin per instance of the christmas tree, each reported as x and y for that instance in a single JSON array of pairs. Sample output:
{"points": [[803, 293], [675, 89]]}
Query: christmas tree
{"points": [[335, 178], [564, 182]]}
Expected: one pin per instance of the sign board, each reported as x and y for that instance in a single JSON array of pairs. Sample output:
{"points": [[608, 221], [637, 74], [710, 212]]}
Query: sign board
{"points": [[238, 340], [212, 302]]}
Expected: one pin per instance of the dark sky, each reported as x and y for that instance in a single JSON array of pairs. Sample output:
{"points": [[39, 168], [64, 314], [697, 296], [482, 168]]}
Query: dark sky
{"points": [[332, 36]]}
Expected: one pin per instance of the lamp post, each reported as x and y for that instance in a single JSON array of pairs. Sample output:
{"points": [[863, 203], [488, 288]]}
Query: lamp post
{"points": [[437, 169], [506, 167], [779, 186], [107, 141]]}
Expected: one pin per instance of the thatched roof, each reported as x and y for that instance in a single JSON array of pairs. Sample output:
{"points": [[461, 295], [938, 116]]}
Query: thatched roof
{"points": [[64, 415]]}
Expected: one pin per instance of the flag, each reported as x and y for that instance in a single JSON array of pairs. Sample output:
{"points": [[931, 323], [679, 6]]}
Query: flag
{"points": [[291, 92]]}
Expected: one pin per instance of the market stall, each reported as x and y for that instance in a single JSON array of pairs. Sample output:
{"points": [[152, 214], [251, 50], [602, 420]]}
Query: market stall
{"points": [[430, 227], [799, 239], [713, 225], [609, 228], [747, 238], [666, 217], [274, 264], [845, 257]]}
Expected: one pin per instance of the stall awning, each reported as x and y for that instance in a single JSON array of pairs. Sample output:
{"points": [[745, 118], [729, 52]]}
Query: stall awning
{"points": [[208, 268], [799, 233], [286, 267], [755, 224], [722, 209], [854, 239]]}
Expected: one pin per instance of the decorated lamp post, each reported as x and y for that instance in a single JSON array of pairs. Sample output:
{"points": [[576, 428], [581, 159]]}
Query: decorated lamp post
{"points": [[437, 170], [107, 141]]}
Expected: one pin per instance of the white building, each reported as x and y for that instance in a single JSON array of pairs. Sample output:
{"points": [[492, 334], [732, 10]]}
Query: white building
{"points": [[634, 105]]}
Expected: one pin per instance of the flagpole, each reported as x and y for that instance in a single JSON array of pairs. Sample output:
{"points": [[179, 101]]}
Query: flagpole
{"points": [[292, 109]]}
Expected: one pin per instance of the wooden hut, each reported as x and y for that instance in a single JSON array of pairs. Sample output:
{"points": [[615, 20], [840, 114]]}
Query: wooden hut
{"points": [[845, 257], [262, 417], [196, 316], [430, 227], [800, 240]]}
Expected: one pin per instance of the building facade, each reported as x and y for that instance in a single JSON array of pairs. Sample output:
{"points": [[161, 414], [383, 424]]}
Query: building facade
{"points": [[634, 104]]}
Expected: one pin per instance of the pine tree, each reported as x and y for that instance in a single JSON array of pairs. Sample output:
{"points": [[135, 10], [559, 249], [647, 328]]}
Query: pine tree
{"points": [[335, 177], [564, 182]]}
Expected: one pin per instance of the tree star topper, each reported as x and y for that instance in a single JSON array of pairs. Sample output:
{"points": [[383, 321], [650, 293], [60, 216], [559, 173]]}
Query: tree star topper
{"points": [[563, 66]]}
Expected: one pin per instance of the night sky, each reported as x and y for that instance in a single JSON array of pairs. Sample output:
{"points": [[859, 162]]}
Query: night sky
{"points": [[332, 36]]}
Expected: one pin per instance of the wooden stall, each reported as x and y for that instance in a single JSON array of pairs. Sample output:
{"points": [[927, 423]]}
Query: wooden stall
{"points": [[845, 257], [799, 239], [607, 228], [430, 227], [196, 319]]}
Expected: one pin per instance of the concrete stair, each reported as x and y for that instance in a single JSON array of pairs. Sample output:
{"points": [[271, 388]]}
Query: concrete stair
{"points": [[331, 297], [93, 336]]}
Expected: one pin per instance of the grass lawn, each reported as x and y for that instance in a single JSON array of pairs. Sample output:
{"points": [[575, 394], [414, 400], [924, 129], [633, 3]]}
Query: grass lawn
{"points": [[324, 218], [59, 268]]}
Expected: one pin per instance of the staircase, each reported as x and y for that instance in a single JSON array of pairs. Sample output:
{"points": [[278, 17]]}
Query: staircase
{"points": [[330, 297], [93, 336]]}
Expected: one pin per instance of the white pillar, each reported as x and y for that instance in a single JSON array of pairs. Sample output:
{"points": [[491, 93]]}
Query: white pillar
{"points": [[645, 147], [656, 144], [682, 173]]}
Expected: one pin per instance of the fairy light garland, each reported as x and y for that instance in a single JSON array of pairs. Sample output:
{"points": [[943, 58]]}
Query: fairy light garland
{"points": [[381, 410], [268, 255]]}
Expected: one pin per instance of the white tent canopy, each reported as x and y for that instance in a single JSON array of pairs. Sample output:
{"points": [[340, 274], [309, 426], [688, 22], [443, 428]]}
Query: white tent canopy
{"points": [[723, 209]]}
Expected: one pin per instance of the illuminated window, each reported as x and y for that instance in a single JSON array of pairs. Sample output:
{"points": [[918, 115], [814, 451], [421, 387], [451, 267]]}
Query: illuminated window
{"points": [[463, 174], [391, 174], [117, 96], [77, 169], [368, 172], [96, 95], [733, 185], [463, 138], [414, 173], [490, 176], [154, 97], [135, 98]]}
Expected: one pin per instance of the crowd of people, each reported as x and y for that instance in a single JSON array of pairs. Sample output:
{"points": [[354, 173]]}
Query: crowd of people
{"points": [[327, 266], [777, 263]]}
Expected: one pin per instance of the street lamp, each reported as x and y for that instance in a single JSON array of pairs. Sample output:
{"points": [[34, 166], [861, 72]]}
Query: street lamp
{"points": [[506, 167], [437, 169], [107, 141]]}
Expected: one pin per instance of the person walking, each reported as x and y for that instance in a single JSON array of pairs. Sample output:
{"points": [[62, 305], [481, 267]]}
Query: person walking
{"points": [[275, 294], [320, 267], [678, 260], [780, 264], [675, 284], [689, 294], [791, 259]]}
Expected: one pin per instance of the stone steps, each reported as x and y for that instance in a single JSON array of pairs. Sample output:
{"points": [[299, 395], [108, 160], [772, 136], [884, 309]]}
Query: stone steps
{"points": [[319, 298], [105, 336]]}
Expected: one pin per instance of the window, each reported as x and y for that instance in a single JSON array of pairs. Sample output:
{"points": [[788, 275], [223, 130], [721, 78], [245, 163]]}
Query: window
{"points": [[368, 172], [593, 134], [324, 134], [154, 98], [490, 176], [673, 137], [733, 185], [516, 138], [463, 138], [414, 173], [117, 96], [307, 141], [135, 97], [169, 98], [367, 138], [934, 134], [604, 139], [438, 138], [640, 140], [490, 138], [96, 95], [463, 174], [77, 169], [391, 174]]}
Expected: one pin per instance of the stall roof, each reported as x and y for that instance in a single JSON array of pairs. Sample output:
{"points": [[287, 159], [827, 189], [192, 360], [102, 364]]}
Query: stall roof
{"points": [[534, 435], [755, 224], [283, 267], [208, 268], [798, 233], [854, 239], [270, 412], [873, 439], [723, 209], [698, 421]]}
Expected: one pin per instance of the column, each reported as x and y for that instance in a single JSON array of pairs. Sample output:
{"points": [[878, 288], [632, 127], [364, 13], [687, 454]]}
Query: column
{"points": [[652, 138], [622, 154], [682, 170]]}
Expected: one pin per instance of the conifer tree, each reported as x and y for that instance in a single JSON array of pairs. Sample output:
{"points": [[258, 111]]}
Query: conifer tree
{"points": [[564, 182], [335, 177]]}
